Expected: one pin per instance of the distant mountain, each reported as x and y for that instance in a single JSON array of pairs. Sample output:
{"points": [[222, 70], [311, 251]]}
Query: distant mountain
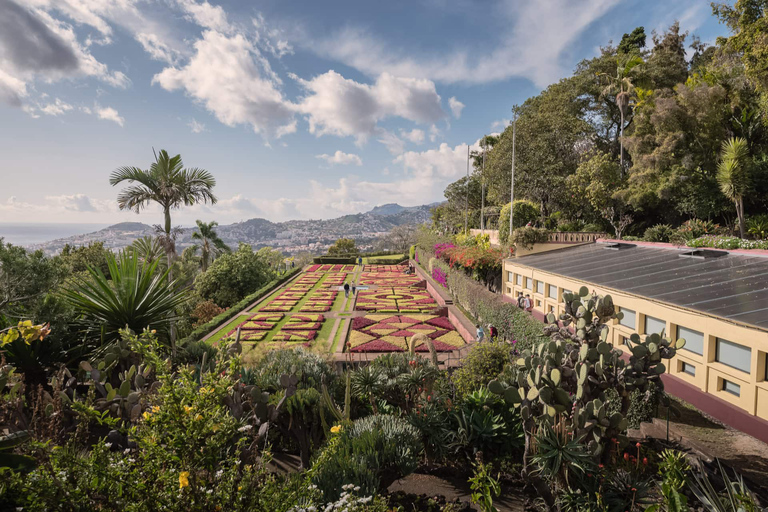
{"points": [[291, 236]]}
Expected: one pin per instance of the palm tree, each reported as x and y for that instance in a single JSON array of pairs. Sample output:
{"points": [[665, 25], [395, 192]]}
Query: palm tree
{"points": [[622, 86], [733, 174], [147, 248], [211, 246], [137, 294], [166, 183]]}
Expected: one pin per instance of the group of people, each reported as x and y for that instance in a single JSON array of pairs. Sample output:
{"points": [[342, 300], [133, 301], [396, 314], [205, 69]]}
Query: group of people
{"points": [[524, 303], [493, 333], [347, 289]]}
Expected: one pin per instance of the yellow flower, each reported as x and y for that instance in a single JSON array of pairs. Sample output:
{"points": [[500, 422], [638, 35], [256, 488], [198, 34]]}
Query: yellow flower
{"points": [[146, 415], [215, 428], [202, 390], [156, 408], [154, 331], [239, 487], [199, 417], [187, 409], [183, 479], [335, 429]]}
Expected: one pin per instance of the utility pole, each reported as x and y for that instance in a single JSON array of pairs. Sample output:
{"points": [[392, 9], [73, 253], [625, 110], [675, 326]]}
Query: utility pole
{"points": [[512, 188], [482, 189], [466, 196]]}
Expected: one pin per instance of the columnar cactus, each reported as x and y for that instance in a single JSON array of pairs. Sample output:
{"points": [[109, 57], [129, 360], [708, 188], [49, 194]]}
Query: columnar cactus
{"points": [[566, 376]]}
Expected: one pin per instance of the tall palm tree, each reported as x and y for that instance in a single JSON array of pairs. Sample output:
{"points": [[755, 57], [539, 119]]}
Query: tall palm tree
{"points": [[166, 183], [622, 86], [733, 174], [211, 246]]}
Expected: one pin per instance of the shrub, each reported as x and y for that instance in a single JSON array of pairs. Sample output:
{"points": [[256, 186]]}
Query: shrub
{"points": [[485, 362], [757, 226], [658, 233], [371, 453], [525, 212], [205, 311], [310, 367], [571, 225], [440, 276], [526, 237], [694, 228], [593, 228], [233, 276]]}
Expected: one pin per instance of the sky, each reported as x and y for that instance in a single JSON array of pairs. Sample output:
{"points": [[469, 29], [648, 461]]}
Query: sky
{"points": [[301, 109]]}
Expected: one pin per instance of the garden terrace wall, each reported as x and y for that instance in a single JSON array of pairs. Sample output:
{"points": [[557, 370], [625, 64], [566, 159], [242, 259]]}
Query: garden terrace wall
{"points": [[210, 326]]}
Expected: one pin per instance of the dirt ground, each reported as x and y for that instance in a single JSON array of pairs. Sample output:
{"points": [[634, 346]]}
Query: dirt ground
{"points": [[453, 488], [696, 430]]}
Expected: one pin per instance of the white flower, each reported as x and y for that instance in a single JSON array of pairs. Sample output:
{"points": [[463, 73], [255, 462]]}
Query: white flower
{"points": [[245, 428], [108, 445], [219, 473]]}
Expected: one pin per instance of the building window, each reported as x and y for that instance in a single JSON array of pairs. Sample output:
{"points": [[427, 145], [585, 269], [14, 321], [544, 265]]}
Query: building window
{"points": [[654, 325], [538, 303], [564, 292], [623, 340], [552, 310], [694, 340], [540, 287], [552, 292], [529, 283], [733, 355], [519, 280], [731, 387], [511, 277], [688, 368], [629, 318]]}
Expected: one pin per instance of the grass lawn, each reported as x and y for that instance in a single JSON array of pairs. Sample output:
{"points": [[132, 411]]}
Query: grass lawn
{"points": [[228, 327]]}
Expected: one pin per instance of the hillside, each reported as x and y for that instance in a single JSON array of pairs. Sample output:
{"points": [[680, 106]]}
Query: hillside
{"points": [[291, 236]]}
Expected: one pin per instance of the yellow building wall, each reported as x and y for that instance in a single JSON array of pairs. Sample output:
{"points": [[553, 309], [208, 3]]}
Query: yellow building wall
{"points": [[710, 374]]}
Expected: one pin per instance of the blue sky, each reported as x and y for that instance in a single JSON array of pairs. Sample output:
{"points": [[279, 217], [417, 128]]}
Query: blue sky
{"points": [[300, 109]]}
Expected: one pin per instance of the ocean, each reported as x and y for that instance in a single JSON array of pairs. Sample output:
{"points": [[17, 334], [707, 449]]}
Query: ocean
{"points": [[29, 233]]}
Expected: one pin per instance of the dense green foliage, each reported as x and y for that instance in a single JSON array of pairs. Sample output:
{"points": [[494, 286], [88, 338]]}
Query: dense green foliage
{"points": [[633, 137], [233, 276]]}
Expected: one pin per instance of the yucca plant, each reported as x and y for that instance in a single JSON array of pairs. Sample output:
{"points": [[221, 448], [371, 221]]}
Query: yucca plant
{"points": [[136, 295], [737, 497], [733, 174]]}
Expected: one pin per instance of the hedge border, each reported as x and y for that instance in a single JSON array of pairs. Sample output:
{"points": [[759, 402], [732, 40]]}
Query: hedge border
{"points": [[216, 322]]}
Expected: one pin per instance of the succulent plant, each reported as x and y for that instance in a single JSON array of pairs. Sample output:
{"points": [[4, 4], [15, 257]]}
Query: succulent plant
{"points": [[566, 376]]}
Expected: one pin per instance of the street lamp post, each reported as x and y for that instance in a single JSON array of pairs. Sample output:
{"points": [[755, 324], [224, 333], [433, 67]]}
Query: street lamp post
{"points": [[512, 187], [466, 196]]}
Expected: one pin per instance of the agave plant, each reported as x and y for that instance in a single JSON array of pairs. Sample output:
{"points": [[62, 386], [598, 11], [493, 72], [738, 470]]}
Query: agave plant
{"points": [[137, 295], [737, 498]]}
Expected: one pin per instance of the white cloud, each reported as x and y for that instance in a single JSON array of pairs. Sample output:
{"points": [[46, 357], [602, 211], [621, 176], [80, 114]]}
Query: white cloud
{"points": [[228, 75], [195, 126], [416, 136], [456, 106], [434, 133], [339, 106], [55, 108], [394, 144], [206, 15], [109, 114], [341, 158], [500, 124], [156, 48], [532, 38]]}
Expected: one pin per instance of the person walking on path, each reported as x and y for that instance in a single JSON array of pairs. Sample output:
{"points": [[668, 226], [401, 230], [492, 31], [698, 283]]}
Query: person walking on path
{"points": [[354, 288], [480, 333], [528, 303], [346, 290], [360, 260], [520, 300], [493, 332]]}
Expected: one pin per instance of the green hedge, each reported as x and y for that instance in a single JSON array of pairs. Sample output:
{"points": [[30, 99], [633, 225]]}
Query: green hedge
{"points": [[335, 260], [386, 261], [219, 320], [486, 307]]}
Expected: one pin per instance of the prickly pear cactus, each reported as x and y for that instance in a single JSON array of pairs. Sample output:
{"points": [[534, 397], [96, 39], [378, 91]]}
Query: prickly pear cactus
{"points": [[566, 376]]}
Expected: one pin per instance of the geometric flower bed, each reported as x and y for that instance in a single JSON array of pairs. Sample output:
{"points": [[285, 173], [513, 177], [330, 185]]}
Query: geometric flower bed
{"points": [[334, 280], [403, 300], [388, 279], [289, 335], [331, 268], [392, 333]]}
